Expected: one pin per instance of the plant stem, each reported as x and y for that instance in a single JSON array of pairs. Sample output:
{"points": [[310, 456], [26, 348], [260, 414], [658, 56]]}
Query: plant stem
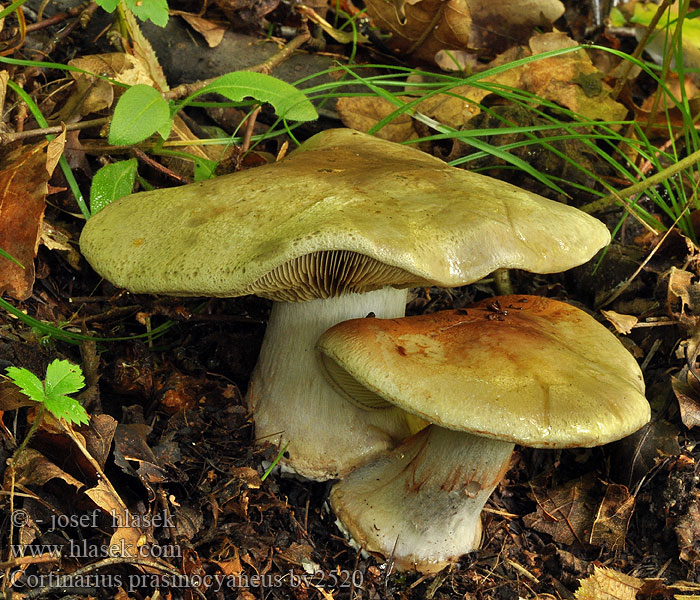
{"points": [[667, 173]]}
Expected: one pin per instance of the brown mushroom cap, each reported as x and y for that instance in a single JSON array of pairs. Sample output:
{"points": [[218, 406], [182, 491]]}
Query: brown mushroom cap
{"points": [[345, 212], [523, 369]]}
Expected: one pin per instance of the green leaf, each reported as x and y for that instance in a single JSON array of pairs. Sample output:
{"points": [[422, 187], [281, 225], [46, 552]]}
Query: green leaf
{"points": [[108, 5], [287, 100], [140, 112], [28, 383], [112, 182], [204, 168], [62, 378], [153, 10], [63, 407]]}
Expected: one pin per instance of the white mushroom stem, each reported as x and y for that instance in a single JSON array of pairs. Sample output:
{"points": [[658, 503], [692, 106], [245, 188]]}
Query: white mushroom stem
{"points": [[421, 503], [293, 403]]}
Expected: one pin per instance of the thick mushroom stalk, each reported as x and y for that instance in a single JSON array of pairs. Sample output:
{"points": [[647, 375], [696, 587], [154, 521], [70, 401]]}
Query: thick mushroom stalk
{"points": [[293, 402], [420, 504]]}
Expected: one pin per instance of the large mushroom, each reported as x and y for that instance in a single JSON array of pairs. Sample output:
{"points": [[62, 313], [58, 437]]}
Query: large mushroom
{"points": [[511, 370], [335, 231]]}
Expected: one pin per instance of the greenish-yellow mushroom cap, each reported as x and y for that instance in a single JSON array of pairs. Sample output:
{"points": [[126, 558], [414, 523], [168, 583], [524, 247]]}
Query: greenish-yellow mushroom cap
{"points": [[521, 369], [345, 212]]}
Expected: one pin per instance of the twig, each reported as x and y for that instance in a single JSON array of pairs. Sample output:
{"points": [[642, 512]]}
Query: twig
{"points": [[187, 89], [249, 127], [6, 138], [159, 167], [667, 173], [639, 49], [57, 18]]}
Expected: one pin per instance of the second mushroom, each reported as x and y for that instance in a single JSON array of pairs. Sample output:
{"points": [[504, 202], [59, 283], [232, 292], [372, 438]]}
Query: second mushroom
{"points": [[511, 370]]}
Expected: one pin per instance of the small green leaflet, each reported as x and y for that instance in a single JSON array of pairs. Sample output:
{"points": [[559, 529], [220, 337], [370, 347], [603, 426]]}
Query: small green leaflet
{"points": [[154, 10], [112, 182], [108, 5], [62, 378], [288, 101], [140, 112]]}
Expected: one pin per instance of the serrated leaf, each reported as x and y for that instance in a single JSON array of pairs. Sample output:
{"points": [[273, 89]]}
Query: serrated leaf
{"points": [[108, 5], [153, 10], [64, 407], [29, 383], [288, 101], [62, 378], [112, 182], [140, 112]]}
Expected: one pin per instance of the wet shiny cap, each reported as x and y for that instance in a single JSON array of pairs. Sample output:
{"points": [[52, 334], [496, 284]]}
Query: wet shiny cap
{"points": [[345, 212], [524, 369]]}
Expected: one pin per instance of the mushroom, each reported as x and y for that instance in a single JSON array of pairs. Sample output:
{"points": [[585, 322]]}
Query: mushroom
{"points": [[338, 229], [510, 370]]}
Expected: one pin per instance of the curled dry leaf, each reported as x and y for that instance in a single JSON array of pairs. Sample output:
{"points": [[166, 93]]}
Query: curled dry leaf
{"points": [[92, 94], [23, 187], [212, 32], [683, 297], [687, 390], [422, 28], [623, 323]]}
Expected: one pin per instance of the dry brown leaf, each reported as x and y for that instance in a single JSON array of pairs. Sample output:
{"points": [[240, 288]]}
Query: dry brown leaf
{"points": [[145, 53], [420, 28], [612, 520], [687, 530], [608, 584], [23, 187], [33, 468], [364, 112], [623, 323], [54, 151], [212, 32], [687, 390], [497, 26], [682, 294], [564, 512], [55, 238]]}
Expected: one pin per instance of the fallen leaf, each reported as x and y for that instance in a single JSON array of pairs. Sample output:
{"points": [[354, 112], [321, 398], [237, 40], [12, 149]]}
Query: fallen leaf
{"points": [[420, 28], [130, 445], [687, 390], [54, 238], [687, 530], [23, 188], [212, 32], [612, 520], [54, 151], [564, 512], [497, 26], [623, 323], [608, 584], [364, 112], [33, 468], [570, 80]]}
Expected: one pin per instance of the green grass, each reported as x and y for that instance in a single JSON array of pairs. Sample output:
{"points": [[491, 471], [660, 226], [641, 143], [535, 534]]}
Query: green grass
{"points": [[621, 146]]}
